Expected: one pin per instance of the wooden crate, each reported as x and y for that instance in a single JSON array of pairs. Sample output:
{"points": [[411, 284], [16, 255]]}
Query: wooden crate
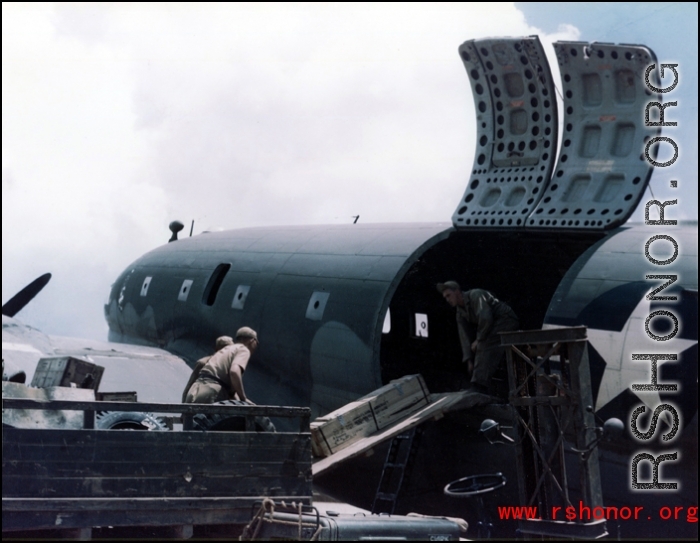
{"points": [[67, 371], [397, 400], [342, 428], [371, 413]]}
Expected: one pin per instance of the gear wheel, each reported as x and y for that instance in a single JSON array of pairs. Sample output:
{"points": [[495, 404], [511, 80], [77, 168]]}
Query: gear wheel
{"points": [[128, 420], [225, 423]]}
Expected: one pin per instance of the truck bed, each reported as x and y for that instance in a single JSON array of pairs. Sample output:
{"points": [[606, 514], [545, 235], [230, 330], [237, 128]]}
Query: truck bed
{"points": [[85, 478]]}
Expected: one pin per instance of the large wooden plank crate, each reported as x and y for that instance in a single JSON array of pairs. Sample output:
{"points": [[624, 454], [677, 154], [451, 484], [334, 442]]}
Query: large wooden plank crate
{"points": [[371, 413], [69, 478], [66, 371]]}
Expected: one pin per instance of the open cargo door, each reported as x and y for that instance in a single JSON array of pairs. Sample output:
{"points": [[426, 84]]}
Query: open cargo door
{"points": [[601, 172], [516, 116]]}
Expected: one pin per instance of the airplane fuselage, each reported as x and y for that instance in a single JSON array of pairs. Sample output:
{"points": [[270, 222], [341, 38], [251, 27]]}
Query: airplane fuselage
{"points": [[338, 307]]}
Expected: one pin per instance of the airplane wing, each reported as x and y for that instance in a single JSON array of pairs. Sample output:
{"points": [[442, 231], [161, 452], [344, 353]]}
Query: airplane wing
{"points": [[154, 374]]}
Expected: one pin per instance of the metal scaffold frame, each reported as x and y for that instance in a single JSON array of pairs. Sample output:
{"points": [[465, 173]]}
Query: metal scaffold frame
{"points": [[550, 391]]}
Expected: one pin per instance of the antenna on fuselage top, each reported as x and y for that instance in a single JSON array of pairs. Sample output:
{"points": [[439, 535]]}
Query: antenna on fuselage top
{"points": [[191, 227], [356, 217], [175, 227]]}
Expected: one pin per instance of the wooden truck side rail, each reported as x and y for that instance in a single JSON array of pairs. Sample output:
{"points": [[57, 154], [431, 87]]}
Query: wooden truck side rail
{"points": [[84, 478]]}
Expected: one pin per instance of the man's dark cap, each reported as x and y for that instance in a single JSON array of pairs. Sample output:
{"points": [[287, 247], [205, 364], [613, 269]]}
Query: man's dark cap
{"points": [[451, 285]]}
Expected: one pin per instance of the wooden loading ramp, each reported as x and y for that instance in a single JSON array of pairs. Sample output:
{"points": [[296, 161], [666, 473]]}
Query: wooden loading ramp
{"points": [[440, 404]]}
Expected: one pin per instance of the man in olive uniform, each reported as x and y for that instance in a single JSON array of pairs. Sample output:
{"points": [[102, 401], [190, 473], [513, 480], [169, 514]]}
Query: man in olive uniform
{"points": [[221, 342], [481, 308], [221, 377]]}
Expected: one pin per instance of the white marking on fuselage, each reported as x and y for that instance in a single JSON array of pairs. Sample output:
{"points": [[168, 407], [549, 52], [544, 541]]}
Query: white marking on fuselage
{"points": [[616, 349], [621, 371]]}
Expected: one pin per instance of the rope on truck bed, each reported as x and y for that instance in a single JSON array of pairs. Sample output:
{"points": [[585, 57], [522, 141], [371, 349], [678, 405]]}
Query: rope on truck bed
{"points": [[250, 532]]}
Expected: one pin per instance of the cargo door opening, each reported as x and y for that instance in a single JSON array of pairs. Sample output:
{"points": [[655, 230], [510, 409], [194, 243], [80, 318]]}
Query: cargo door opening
{"points": [[523, 271]]}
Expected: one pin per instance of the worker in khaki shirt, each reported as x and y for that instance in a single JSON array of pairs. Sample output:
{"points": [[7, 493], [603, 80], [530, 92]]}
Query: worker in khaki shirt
{"points": [[221, 377], [221, 342], [481, 308]]}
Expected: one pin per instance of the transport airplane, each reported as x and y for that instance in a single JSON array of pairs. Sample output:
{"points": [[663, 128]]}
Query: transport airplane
{"points": [[343, 309]]}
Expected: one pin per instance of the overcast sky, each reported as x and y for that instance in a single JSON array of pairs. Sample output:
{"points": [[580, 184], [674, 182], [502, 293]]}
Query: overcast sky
{"points": [[118, 118]]}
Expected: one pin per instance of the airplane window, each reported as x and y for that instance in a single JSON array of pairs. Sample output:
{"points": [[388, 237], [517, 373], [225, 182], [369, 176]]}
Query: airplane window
{"points": [[214, 284], [421, 325], [240, 296], [144, 287], [386, 328], [317, 305], [185, 290]]}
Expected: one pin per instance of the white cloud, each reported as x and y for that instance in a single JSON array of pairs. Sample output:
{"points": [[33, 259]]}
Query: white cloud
{"points": [[118, 118]]}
